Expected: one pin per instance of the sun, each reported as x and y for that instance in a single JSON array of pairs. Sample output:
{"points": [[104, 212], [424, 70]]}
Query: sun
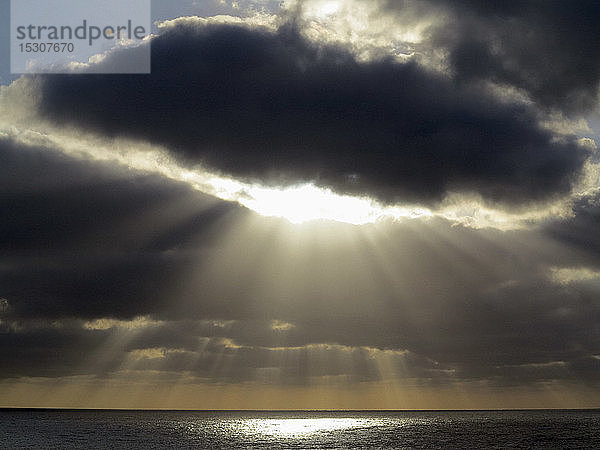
{"points": [[305, 203]]}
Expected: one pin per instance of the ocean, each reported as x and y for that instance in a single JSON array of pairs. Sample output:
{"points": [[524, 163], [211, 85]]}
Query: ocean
{"points": [[103, 429]]}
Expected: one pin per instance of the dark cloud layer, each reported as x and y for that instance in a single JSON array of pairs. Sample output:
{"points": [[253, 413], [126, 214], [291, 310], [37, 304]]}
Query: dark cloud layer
{"points": [[83, 239], [275, 108], [547, 48], [581, 230]]}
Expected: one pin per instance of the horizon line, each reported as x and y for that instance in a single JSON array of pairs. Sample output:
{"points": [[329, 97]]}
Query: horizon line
{"points": [[61, 408]]}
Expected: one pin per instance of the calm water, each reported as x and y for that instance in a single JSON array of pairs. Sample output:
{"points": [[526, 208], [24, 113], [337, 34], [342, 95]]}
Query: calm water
{"points": [[87, 429]]}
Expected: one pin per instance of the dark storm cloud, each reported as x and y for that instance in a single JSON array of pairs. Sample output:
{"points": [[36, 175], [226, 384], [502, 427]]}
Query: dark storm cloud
{"points": [[273, 107], [83, 239], [52, 201], [47, 351], [548, 48], [581, 230], [547, 322]]}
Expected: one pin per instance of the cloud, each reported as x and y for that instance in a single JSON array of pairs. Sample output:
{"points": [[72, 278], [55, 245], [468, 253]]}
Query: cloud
{"points": [[106, 269], [275, 108], [580, 231], [87, 239], [547, 49]]}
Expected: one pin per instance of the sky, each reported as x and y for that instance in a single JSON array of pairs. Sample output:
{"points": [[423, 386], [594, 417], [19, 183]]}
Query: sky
{"points": [[314, 204]]}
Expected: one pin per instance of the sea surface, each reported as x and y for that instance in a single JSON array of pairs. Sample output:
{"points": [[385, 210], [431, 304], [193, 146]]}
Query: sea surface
{"points": [[103, 429]]}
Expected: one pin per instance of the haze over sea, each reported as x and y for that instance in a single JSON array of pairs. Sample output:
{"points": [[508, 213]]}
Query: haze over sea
{"points": [[88, 429]]}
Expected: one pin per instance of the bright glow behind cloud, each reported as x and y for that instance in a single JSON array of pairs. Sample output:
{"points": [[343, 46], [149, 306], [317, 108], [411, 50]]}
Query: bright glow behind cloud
{"points": [[297, 204], [306, 202]]}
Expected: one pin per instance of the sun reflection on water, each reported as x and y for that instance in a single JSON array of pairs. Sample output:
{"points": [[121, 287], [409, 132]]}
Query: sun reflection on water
{"points": [[302, 427]]}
